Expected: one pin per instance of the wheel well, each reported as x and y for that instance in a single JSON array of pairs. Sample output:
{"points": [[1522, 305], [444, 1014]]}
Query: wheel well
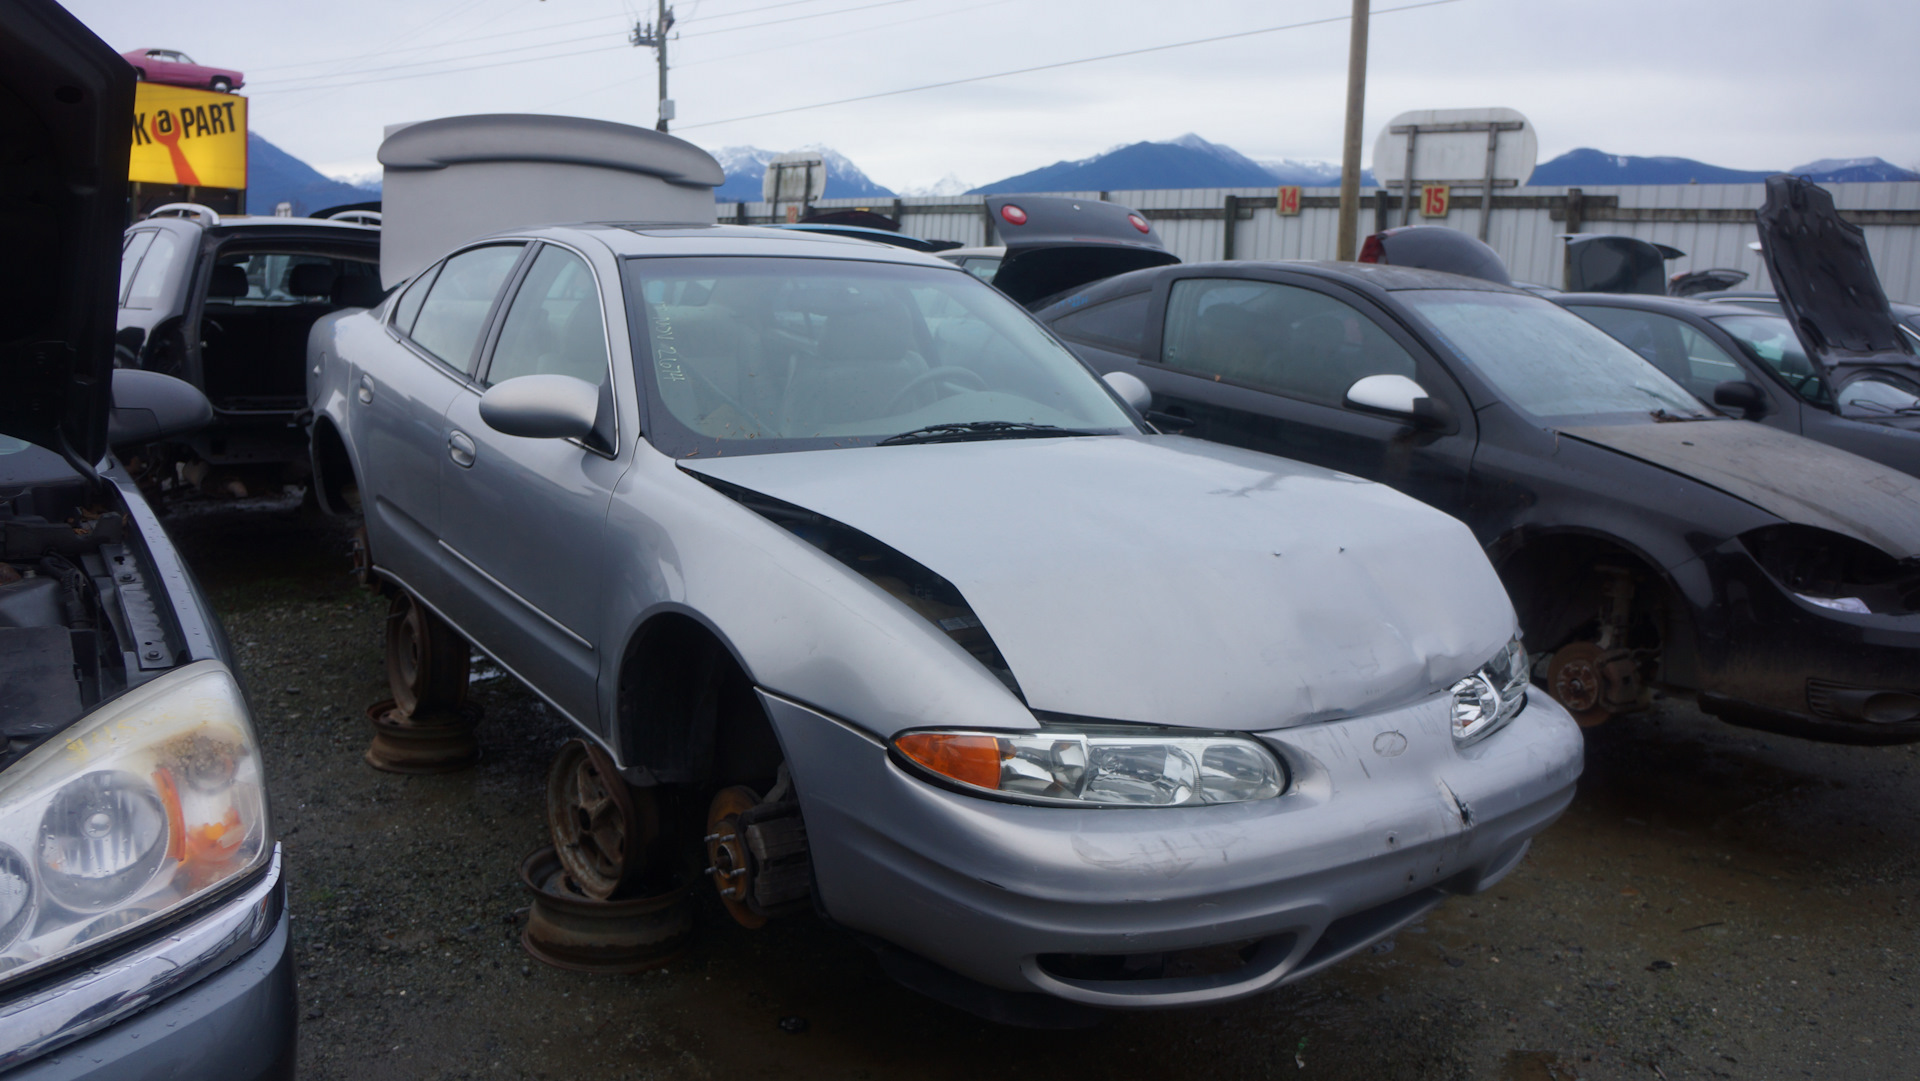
{"points": [[687, 711], [334, 483], [1557, 584]]}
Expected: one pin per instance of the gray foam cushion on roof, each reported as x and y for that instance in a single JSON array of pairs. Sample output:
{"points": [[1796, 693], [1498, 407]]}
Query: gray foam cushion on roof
{"points": [[570, 140], [459, 178]]}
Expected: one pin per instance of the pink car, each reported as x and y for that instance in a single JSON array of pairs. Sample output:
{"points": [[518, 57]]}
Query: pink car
{"points": [[178, 69]]}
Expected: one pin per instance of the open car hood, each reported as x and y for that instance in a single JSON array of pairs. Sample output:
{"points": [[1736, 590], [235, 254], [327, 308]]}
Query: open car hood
{"points": [[65, 100], [1056, 244], [1826, 283], [1168, 581], [1795, 479]]}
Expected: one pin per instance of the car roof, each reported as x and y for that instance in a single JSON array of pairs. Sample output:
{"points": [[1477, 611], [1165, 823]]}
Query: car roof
{"points": [[1381, 276], [643, 238], [1649, 302]]}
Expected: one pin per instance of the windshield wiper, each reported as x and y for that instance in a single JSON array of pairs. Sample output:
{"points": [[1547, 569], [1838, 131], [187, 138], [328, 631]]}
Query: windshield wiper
{"points": [[970, 430]]}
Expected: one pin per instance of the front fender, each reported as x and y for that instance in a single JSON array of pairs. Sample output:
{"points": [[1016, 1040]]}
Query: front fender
{"points": [[800, 624]]}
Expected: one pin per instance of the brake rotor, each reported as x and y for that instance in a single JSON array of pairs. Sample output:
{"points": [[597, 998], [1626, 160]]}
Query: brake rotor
{"points": [[729, 862], [1576, 680], [601, 828]]}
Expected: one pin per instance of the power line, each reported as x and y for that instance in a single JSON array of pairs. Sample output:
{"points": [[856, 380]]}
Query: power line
{"points": [[435, 45], [750, 11], [448, 71], [798, 18], [349, 78], [1059, 64]]}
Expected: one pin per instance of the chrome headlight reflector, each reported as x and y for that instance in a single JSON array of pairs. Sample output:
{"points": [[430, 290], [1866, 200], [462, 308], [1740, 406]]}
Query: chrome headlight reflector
{"points": [[1098, 769], [1492, 696], [141, 807]]}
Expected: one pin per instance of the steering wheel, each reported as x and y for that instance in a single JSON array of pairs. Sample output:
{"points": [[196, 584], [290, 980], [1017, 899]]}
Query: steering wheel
{"points": [[944, 371]]}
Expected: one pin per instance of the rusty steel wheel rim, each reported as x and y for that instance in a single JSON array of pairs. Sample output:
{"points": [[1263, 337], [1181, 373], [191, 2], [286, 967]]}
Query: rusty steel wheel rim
{"points": [[568, 930], [1575, 681], [601, 828], [728, 863], [440, 744]]}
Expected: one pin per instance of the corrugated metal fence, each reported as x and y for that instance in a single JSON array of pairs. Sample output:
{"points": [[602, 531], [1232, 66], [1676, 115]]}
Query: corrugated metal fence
{"points": [[1712, 223]]}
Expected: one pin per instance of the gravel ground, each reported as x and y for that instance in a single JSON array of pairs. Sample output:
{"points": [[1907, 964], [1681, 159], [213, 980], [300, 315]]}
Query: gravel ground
{"points": [[1717, 903]]}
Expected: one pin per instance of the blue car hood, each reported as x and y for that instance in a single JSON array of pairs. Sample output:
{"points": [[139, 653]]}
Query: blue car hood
{"points": [[1163, 580]]}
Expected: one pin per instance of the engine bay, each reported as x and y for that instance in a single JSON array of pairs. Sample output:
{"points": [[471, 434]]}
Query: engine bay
{"points": [[79, 623]]}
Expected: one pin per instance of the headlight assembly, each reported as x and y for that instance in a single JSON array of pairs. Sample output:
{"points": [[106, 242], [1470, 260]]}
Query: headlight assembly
{"points": [[1098, 769], [1492, 696], [138, 809]]}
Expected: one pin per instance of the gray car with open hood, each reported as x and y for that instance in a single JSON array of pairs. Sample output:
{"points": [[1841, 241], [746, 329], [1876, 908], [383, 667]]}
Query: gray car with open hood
{"points": [[1070, 714], [142, 923]]}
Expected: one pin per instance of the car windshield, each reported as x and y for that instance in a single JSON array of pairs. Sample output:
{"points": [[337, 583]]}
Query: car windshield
{"points": [[1548, 361], [1770, 340], [753, 355]]}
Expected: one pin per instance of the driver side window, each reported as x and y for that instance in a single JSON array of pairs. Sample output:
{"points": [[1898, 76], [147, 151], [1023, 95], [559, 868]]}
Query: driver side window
{"points": [[1281, 338], [554, 326]]}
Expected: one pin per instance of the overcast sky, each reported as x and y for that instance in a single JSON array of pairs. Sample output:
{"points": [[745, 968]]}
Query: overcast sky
{"points": [[1750, 84]]}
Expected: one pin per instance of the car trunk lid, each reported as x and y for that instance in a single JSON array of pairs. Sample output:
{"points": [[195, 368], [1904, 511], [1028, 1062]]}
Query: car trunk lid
{"points": [[1055, 244]]}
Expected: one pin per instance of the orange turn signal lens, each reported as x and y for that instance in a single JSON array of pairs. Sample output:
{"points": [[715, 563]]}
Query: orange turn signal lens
{"points": [[973, 760]]}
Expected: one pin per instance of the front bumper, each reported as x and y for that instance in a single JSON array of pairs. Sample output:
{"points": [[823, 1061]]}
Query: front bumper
{"points": [[1385, 817], [210, 997], [1774, 661]]}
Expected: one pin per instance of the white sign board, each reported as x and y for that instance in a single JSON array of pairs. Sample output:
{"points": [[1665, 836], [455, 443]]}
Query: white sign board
{"points": [[1450, 147], [798, 176]]}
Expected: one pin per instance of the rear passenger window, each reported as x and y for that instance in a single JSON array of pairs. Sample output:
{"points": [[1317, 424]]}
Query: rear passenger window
{"points": [[408, 305], [1282, 338], [136, 247], [1119, 324], [554, 326], [455, 310], [151, 278]]}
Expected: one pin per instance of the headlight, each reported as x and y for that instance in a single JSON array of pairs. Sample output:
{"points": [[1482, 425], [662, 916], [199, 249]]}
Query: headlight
{"points": [[1491, 697], [1101, 769], [141, 807]]}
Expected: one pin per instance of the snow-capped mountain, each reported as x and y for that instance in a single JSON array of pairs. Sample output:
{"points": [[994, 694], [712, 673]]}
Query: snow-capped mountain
{"points": [[946, 185], [1594, 168], [1186, 162], [1843, 170], [746, 167]]}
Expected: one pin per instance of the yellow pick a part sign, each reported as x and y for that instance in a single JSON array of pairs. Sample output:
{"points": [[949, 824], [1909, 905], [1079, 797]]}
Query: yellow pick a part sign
{"points": [[185, 136]]}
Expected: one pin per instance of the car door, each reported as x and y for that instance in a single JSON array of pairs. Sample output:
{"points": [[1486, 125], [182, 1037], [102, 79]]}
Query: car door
{"points": [[524, 520], [400, 392], [1265, 363]]}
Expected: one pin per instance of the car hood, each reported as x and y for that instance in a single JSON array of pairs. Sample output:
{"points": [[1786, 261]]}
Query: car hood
{"points": [[1796, 479], [1826, 282], [1060, 244], [1162, 580], [64, 102]]}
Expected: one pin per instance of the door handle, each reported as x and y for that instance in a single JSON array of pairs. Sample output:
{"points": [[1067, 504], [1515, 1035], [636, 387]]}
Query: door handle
{"points": [[365, 393], [460, 449]]}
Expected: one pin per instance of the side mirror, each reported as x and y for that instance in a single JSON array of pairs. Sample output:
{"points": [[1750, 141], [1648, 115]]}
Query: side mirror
{"points": [[542, 407], [1398, 396], [1131, 389], [1739, 394], [149, 406]]}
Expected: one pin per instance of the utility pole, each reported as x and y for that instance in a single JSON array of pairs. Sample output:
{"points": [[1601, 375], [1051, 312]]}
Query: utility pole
{"points": [[1350, 155], [648, 37]]}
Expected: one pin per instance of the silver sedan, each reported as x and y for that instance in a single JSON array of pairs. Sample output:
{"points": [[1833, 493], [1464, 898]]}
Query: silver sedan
{"points": [[1063, 708]]}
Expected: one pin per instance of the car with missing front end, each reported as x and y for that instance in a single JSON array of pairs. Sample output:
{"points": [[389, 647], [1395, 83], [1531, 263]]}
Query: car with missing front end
{"points": [[142, 924], [895, 611], [1647, 540]]}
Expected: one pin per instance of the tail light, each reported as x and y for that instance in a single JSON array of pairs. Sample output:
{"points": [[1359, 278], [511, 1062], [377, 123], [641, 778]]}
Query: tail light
{"points": [[1013, 215], [1373, 251]]}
